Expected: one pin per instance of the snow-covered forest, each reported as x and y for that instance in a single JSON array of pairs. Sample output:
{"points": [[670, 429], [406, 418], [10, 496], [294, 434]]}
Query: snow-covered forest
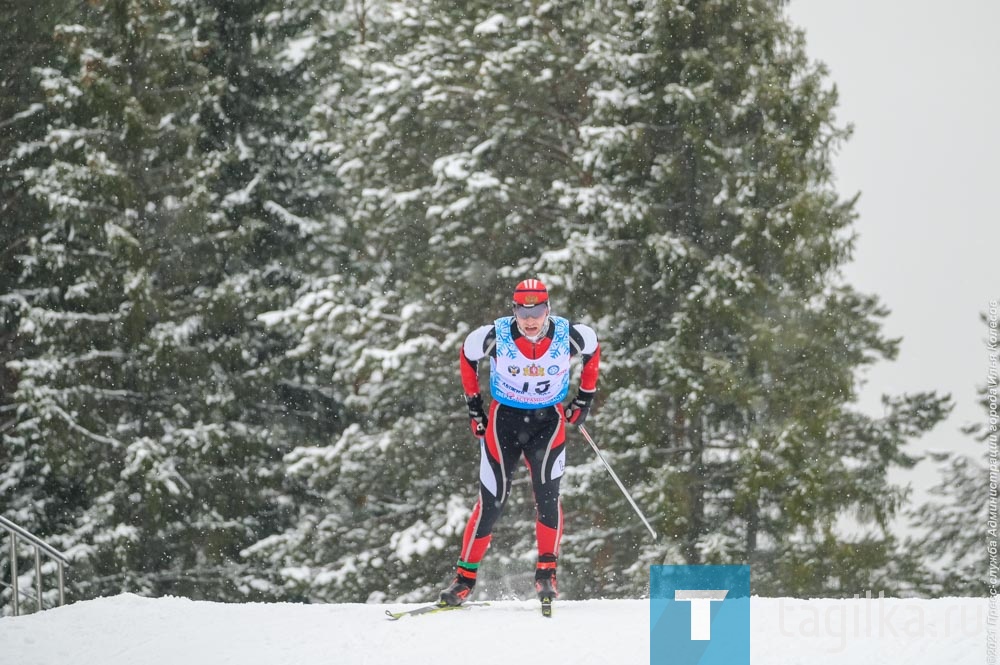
{"points": [[244, 239]]}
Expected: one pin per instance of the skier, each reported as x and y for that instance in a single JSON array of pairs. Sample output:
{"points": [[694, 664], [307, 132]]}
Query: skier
{"points": [[529, 356]]}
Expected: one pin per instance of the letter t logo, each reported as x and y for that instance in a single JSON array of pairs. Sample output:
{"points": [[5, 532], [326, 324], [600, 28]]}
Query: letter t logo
{"points": [[718, 617], [701, 610]]}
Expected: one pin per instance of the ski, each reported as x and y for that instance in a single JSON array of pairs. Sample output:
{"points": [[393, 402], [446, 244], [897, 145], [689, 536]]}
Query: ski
{"points": [[430, 609]]}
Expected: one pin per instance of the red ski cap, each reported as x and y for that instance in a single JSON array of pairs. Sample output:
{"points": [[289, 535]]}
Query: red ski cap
{"points": [[530, 292]]}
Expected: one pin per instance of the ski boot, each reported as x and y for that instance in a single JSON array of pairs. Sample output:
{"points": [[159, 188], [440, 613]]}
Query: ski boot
{"points": [[458, 592], [545, 586]]}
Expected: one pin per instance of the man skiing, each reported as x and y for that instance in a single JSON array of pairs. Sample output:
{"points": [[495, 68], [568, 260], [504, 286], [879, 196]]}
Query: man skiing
{"points": [[529, 356]]}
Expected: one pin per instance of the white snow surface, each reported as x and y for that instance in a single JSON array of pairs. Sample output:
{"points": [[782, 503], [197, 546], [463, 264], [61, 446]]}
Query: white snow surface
{"points": [[131, 630]]}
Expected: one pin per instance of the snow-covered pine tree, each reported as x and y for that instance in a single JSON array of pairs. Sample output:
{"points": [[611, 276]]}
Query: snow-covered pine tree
{"points": [[81, 288], [26, 46], [150, 420], [710, 248], [455, 121], [947, 555], [952, 529]]}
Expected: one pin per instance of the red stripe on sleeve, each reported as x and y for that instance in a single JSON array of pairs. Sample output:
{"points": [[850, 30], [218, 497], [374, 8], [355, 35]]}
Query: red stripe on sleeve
{"points": [[591, 368], [470, 373]]}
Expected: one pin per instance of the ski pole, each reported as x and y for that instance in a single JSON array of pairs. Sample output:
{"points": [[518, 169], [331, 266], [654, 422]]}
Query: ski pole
{"points": [[621, 486]]}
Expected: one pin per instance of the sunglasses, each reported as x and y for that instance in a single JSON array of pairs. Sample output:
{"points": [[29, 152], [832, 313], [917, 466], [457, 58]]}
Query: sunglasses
{"points": [[531, 311]]}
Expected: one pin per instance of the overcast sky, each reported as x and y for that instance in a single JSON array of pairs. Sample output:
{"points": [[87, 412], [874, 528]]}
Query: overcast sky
{"points": [[919, 82]]}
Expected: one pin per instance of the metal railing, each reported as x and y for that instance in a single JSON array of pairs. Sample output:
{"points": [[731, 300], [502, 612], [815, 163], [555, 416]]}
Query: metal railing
{"points": [[15, 532]]}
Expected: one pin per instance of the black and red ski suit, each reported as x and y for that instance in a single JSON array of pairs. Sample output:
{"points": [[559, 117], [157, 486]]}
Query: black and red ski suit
{"points": [[536, 434]]}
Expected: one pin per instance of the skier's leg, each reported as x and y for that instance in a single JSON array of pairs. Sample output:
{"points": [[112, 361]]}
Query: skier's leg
{"points": [[546, 461], [497, 459], [494, 487]]}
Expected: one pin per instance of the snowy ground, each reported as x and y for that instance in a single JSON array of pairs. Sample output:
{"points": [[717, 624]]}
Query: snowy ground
{"points": [[129, 630]]}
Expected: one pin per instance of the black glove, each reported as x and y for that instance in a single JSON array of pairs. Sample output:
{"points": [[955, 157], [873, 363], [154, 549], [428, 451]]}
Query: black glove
{"points": [[576, 412], [477, 416]]}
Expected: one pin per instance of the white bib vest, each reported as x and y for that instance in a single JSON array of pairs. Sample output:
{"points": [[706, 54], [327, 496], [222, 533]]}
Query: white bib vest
{"points": [[518, 381]]}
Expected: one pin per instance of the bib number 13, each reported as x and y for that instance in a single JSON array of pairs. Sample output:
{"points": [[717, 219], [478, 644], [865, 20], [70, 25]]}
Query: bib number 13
{"points": [[541, 387]]}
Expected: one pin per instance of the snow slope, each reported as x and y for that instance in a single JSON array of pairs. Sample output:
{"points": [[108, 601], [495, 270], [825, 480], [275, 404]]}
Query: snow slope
{"points": [[129, 630]]}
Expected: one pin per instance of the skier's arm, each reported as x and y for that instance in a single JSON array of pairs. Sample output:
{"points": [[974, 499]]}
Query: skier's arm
{"points": [[477, 346], [470, 374], [583, 341]]}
